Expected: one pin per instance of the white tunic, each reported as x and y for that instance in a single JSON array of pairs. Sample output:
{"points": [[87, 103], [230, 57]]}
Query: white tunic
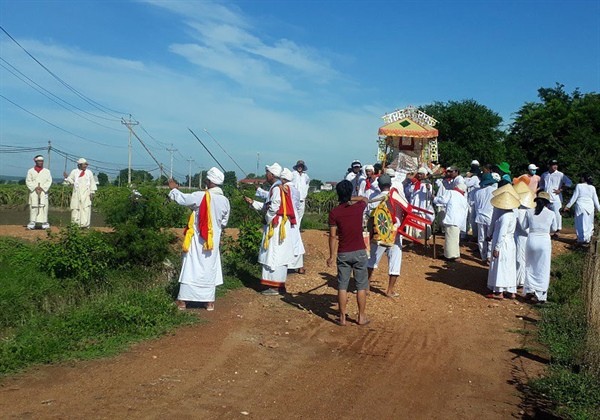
{"points": [[81, 199], [294, 232], [585, 200], [455, 208], [521, 233], [201, 270], [502, 276], [422, 198], [301, 182], [38, 203], [539, 252]]}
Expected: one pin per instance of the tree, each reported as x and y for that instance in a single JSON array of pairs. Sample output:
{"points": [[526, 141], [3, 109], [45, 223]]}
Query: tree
{"points": [[467, 131], [251, 175], [230, 179], [137, 177], [561, 126], [102, 179], [315, 183]]}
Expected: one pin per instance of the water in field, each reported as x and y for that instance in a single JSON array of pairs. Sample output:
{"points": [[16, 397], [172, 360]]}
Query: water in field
{"points": [[19, 215]]}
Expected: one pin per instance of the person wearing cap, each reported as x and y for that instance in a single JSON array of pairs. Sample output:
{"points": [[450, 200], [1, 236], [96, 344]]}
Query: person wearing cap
{"points": [[394, 252], [541, 223], [521, 232], [38, 181], [84, 188], [553, 182], [201, 270], [301, 182], [420, 194], [287, 181], [358, 179], [483, 210], [502, 275], [371, 185], [585, 200], [532, 177], [504, 171], [455, 219], [277, 248]]}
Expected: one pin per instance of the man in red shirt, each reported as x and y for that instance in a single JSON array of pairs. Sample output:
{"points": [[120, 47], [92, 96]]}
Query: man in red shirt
{"points": [[345, 222]]}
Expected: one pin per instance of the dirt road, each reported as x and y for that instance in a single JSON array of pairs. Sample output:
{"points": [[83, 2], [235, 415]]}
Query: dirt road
{"points": [[440, 350]]}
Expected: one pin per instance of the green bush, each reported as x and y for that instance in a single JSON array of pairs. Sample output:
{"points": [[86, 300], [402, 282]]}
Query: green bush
{"points": [[134, 246], [83, 255], [240, 256]]}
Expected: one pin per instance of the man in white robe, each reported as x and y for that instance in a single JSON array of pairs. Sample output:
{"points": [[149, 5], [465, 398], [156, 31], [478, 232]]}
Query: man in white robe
{"points": [[38, 182], [483, 214], [420, 194], [301, 182], [201, 271], [277, 247], [84, 188], [585, 200], [553, 182], [298, 263], [455, 219], [358, 179]]}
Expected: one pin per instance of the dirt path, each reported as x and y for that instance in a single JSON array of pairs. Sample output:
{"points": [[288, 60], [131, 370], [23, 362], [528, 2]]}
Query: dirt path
{"points": [[439, 351]]}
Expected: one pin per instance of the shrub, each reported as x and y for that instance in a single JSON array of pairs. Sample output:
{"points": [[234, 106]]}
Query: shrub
{"points": [[239, 257], [136, 246]]}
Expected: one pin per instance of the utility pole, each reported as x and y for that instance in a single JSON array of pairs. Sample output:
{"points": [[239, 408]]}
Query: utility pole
{"points": [[49, 148], [257, 163], [171, 150], [190, 160], [129, 124]]}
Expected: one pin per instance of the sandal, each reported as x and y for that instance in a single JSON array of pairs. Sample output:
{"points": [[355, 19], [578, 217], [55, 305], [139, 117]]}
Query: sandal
{"points": [[180, 305], [494, 296]]}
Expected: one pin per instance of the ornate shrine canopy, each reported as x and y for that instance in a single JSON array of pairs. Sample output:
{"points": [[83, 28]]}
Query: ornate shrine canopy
{"points": [[409, 122]]}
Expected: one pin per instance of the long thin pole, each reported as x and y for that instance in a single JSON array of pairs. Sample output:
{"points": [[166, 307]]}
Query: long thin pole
{"points": [[171, 150], [221, 147], [206, 148], [129, 124], [190, 160]]}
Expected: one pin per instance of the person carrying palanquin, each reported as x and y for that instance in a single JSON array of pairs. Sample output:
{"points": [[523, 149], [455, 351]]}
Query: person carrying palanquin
{"points": [[84, 188], [553, 182], [585, 200], [38, 183], [201, 271], [277, 247]]}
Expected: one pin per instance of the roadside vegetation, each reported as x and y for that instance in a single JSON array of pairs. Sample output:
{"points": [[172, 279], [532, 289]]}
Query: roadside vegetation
{"points": [[570, 388]]}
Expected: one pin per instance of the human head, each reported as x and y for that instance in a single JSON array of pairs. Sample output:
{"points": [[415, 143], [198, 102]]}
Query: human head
{"points": [[452, 172], [369, 170], [344, 191], [273, 172], [532, 168], [475, 166], [384, 182], [504, 168], [487, 179], [214, 177], [552, 165], [422, 174], [542, 200], [356, 166], [586, 177], [39, 161], [300, 166], [286, 175], [82, 163], [377, 168]]}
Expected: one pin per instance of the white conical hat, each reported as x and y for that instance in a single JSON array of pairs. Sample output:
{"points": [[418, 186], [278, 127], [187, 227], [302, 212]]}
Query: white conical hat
{"points": [[505, 201], [506, 188], [527, 199], [521, 188]]}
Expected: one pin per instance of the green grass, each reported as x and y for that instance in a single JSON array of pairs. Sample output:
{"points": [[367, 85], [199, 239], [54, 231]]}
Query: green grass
{"points": [[315, 221], [572, 391]]}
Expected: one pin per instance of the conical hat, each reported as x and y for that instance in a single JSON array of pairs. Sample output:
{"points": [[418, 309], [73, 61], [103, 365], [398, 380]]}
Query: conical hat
{"points": [[505, 201], [521, 188], [507, 188], [527, 198]]}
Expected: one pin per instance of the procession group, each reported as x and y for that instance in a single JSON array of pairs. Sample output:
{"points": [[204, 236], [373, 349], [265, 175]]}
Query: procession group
{"points": [[39, 181]]}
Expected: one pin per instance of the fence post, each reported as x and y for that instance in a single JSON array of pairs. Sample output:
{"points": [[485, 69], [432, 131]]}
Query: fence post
{"points": [[591, 284]]}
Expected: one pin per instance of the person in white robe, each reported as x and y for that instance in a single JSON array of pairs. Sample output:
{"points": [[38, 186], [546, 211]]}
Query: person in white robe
{"points": [[421, 195], [502, 275], [394, 252], [472, 181], [298, 263], [585, 200], [277, 247], [38, 181], [84, 188], [553, 182], [455, 219], [201, 271], [541, 223], [358, 179], [301, 182], [483, 209], [521, 232], [372, 183]]}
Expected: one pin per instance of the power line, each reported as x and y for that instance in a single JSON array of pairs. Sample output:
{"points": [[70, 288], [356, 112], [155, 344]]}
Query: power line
{"points": [[206, 148], [90, 101], [232, 159]]}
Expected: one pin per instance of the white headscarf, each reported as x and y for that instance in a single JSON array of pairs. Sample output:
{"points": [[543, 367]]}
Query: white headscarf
{"points": [[215, 176], [287, 174], [275, 169]]}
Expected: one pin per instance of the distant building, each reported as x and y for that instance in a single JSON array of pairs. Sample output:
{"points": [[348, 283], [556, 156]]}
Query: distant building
{"points": [[328, 186], [252, 181]]}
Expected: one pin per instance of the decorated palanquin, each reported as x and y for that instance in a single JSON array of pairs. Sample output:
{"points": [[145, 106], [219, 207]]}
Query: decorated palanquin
{"points": [[408, 141]]}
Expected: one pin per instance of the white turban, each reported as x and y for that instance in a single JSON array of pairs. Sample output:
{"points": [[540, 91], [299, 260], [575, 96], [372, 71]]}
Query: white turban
{"points": [[287, 174], [215, 176], [275, 169], [81, 161], [422, 171], [369, 168]]}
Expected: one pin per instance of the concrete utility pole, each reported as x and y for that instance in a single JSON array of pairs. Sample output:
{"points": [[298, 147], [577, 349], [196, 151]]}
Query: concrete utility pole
{"points": [[190, 160], [257, 163], [171, 150], [129, 124]]}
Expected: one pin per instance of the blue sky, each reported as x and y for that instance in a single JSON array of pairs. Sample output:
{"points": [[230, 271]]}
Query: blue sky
{"points": [[287, 80]]}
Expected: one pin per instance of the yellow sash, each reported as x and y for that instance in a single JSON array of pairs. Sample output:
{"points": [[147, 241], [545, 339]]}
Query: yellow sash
{"points": [[208, 242], [189, 233]]}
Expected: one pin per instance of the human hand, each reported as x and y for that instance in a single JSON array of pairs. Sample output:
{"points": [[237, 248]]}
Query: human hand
{"points": [[557, 191], [329, 262], [496, 253], [248, 200], [172, 183], [38, 190], [65, 174]]}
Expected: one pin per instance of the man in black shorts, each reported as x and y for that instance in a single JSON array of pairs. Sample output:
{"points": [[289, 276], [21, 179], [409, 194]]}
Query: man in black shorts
{"points": [[345, 222]]}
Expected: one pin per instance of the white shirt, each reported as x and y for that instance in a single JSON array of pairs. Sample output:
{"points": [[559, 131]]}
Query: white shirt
{"points": [[456, 208], [554, 181], [301, 182]]}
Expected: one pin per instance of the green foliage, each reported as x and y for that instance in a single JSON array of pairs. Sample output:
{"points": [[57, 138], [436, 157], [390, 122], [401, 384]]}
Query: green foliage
{"points": [[103, 180], [83, 255], [315, 221], [138, 177], [561, 126], [467, 131], [321, 202], [230, 179], [140, 246], [241, 212], [315, 183], [239, 256]]}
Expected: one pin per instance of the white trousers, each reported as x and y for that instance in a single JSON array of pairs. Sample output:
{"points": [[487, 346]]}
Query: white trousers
{"points": [[485, 246]]}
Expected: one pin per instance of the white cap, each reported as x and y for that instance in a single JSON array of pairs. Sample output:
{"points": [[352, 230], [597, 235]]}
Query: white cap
{"points": [[369, 168], [475, 162], [215, 176], [38, 157], [287, 174], [81, 160], [275, 169], [422, 171], [532, 166], [496, 176], [390, 172]]}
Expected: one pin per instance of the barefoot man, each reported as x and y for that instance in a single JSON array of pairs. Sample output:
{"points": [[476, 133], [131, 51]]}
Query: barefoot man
{"points": [[345, 222]]}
